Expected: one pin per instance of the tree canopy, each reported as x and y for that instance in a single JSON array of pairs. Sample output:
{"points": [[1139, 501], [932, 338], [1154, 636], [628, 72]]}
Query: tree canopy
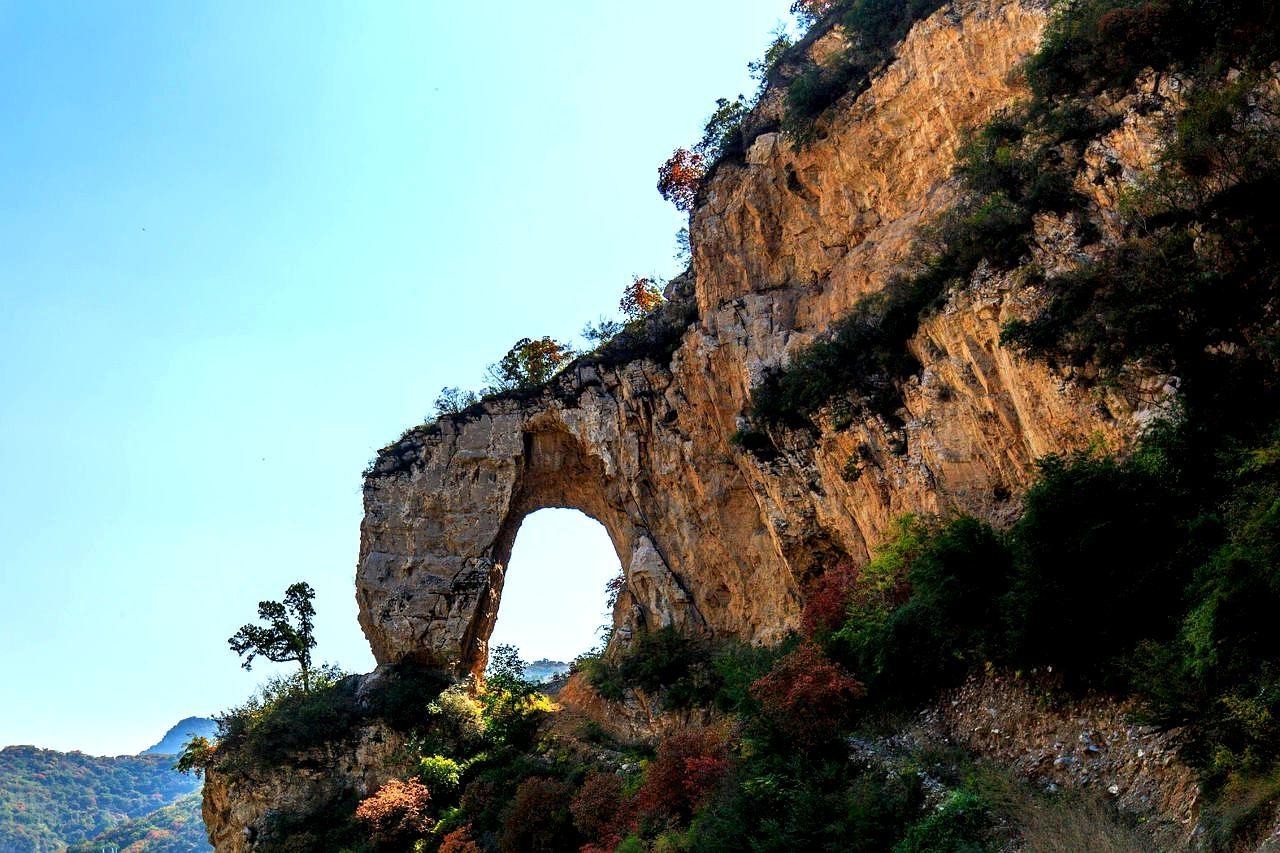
{"points": [[288, 635]]}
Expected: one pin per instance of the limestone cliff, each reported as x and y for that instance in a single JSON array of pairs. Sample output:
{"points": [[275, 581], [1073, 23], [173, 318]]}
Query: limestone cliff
{"points": [[645, 436], [784, 242]]}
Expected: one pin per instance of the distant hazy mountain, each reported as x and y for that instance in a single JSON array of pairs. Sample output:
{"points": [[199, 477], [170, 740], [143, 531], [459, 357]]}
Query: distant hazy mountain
{"points": [[177, 737], [545, 670]]}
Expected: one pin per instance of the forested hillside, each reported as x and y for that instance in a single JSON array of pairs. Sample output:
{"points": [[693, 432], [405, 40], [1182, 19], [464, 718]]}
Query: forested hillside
{"points": [[49, 799]]}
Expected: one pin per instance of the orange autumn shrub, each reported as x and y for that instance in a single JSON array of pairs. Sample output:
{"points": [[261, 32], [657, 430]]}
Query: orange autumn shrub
{"points": [[459, 841], [681, 176], [397, 813]]}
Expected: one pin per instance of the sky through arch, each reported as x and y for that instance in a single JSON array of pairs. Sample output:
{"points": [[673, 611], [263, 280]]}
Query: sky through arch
{"points": [[554, 601]]}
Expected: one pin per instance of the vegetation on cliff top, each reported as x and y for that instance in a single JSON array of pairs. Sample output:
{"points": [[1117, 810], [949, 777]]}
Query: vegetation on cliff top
{"points": [[1162, 297]]}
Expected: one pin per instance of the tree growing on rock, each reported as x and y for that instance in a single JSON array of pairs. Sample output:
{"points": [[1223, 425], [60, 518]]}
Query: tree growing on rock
{"points": [[680, 177], [528, 364], [452, 400], [288, 635], [640, 298], [808, 12]]}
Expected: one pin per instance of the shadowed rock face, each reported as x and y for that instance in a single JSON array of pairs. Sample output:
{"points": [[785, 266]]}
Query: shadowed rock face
{"points": [[785, 242]]}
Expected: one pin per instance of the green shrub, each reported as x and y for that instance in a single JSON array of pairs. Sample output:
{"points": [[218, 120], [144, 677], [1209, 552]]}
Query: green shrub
{"points": [[441, 775], [948, 623], [816, 88], [776, 802], [1100, 564], [864, 356], [284, 720], [961, 824], [1096, 44]]}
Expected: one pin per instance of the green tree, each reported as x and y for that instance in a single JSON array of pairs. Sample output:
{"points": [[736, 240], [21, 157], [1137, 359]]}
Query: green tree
{"points": [[287, 636], [452, 400], [528, 364]]}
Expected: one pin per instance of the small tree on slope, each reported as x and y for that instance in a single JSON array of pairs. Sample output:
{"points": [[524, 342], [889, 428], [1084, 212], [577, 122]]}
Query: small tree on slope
{"points": [[287, 636]]}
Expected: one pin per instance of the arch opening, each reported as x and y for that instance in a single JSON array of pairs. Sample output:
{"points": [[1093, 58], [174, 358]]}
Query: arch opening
{"points": [[554, 603]]}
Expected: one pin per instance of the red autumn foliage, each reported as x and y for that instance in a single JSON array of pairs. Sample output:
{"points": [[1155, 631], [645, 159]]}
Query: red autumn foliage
{"points": [[827, 599], [607, 846], [640, 298], [459, 841], [806, 696], [538, 817], [681, 176], [597, 807], [688, 767], [397, 813]]}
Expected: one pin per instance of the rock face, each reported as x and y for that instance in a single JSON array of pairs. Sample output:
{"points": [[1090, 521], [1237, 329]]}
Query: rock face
{"points": [[712, 538], [243, 809]]}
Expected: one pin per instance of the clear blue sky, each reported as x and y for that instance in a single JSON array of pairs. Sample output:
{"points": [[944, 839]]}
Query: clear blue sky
{"points": [[242, 245]]}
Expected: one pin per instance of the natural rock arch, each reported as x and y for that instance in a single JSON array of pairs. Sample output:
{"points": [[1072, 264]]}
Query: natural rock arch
{"points": [[442, 512]]}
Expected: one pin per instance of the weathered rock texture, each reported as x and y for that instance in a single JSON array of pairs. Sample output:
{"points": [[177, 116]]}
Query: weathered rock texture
{"points": [[710, 537], [243, 808]]}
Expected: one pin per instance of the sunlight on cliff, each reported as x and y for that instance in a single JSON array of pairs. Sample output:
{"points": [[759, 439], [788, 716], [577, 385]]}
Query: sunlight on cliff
{"points": [[554, 601]]}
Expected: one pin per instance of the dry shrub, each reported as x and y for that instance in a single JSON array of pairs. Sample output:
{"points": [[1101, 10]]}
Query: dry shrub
{"points": [[397, 813], [459, 841]]}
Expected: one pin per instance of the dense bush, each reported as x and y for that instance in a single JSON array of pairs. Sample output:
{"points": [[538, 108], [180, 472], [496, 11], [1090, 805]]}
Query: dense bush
{"points": [[397, 814], [682, 670], [780, 802], [1101, 564], [538, 818], [598, 807], [284, 719], [948, 620], [1096, 44], [687, 768], [806, 698]]}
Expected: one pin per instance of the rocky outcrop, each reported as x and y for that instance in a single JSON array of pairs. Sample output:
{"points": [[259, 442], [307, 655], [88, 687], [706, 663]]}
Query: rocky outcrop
{"points": [[1090, 742], [711, 537], [246, 806]]}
